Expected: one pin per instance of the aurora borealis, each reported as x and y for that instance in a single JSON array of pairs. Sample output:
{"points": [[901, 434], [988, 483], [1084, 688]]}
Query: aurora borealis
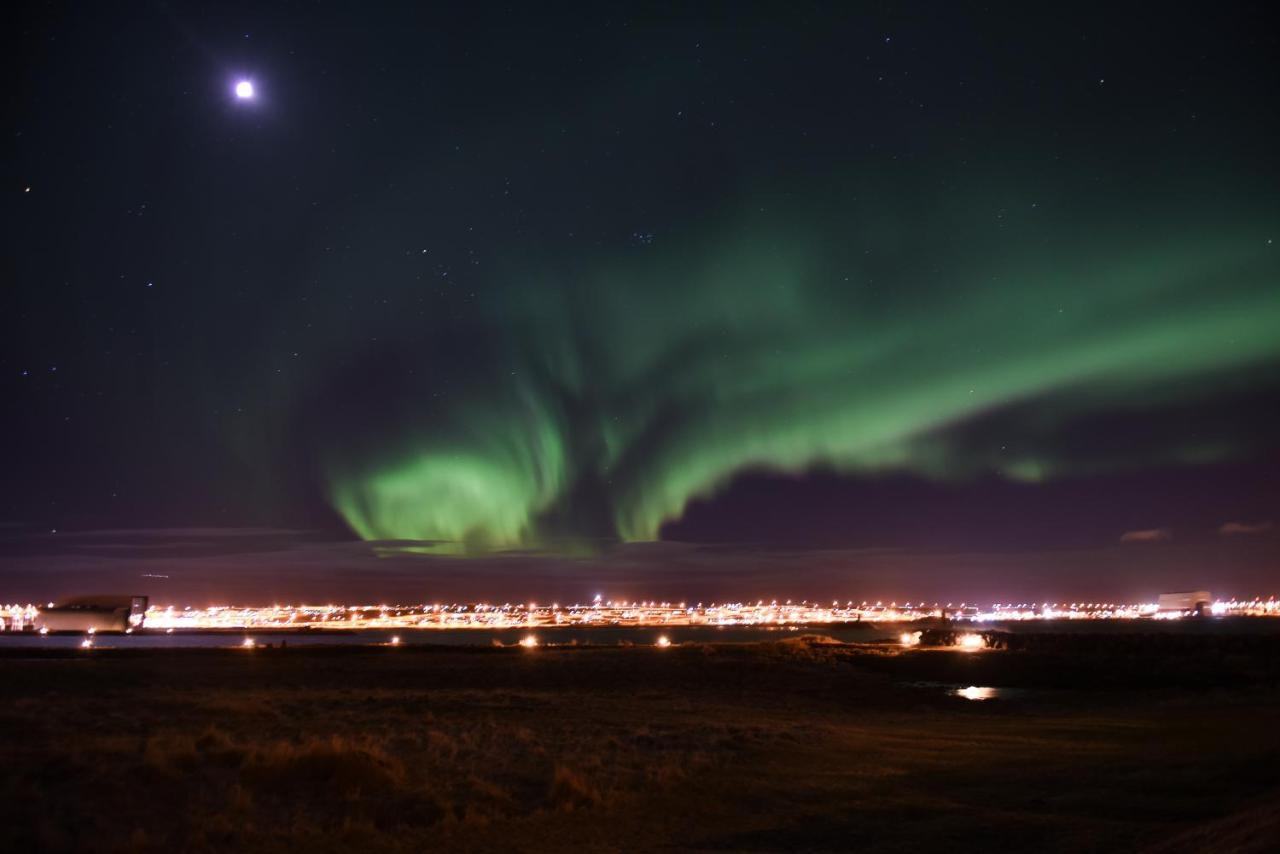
{"points": [[694, 365], [459, 287]]}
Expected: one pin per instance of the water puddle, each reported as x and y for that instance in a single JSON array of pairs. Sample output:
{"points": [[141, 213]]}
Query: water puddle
{"points": [[970, 692]]}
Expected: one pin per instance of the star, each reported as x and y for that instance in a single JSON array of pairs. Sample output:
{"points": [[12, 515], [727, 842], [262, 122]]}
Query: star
{"points": [[244, 90]]}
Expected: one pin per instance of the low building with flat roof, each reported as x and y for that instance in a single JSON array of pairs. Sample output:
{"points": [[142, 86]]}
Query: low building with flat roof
{"points": [[1197, 601], [110, 613]]}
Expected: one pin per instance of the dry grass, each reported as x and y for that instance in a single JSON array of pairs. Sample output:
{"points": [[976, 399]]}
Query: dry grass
{"points": [[798, 745]]}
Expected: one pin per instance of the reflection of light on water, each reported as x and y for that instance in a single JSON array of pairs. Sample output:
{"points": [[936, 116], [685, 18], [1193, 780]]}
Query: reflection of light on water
{"points": [[972, 692]]}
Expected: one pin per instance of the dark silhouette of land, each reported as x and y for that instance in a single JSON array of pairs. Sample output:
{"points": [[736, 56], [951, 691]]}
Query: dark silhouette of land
{"points": [[1140, 742]]}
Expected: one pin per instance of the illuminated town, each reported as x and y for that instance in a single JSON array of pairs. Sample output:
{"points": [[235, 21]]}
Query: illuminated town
{"points": [[639, 614]]}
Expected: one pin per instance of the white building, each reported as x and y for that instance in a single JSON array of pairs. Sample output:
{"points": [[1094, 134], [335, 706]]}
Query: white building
{"points": [[94, 613], [1197, 601]]}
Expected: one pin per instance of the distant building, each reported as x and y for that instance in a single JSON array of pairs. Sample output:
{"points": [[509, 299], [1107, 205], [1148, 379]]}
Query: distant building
{"points": [[18, 618], [1197, 601], [116, 613]]}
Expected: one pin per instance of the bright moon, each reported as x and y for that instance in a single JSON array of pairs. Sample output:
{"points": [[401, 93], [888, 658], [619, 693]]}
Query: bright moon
{"points": [[244, 89]]}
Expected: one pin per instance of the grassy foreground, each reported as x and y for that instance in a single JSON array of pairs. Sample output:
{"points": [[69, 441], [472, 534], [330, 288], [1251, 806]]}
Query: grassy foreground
{"points": [[768, 747]]}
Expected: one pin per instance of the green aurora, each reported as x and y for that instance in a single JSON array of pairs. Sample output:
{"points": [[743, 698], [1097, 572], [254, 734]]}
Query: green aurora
{"points": [[857, 332]]}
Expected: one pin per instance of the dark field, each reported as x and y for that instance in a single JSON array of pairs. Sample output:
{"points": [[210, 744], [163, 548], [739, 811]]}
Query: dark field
{"points": [[1148, 742]]}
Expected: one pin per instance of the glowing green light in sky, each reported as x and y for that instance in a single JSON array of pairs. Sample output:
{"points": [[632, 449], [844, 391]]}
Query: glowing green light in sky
{"points": [[653, 380]]}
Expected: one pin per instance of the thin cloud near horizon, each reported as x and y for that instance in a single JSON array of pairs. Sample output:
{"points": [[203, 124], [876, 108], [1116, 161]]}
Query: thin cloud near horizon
{"points": [[1146, 535], [1233, 529]]}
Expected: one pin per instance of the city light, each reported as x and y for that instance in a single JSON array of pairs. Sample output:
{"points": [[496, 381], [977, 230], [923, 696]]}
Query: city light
{"points": [[395, 640], [248, 643], [663, 641], [528, 641], [87, 643], [779, 614], [970, 641]]}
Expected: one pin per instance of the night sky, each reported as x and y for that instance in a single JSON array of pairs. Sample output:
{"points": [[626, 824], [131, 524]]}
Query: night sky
{"points": [[884, 300]]}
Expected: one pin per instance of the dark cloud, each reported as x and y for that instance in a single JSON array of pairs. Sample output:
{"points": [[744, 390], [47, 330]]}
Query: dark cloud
{"points": [[206, 566]]}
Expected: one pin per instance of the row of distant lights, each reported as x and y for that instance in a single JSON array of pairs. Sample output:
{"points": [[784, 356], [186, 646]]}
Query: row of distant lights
{"points": [[482, 607], [399, 609], [997, 611], [528, 642], [968, 641], [531, 641]]}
